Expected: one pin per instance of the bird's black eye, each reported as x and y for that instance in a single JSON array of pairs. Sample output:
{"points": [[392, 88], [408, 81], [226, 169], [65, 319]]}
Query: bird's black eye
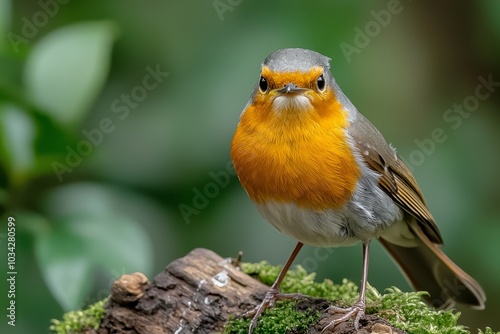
{"points": [[321, 82], [263, 84]]}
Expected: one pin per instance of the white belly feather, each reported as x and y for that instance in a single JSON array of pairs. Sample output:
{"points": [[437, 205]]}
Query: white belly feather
{"points": [[369, 213]]}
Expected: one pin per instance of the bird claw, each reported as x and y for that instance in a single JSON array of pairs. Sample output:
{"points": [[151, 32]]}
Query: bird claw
{"points": [[357, 311], [272, 296]]}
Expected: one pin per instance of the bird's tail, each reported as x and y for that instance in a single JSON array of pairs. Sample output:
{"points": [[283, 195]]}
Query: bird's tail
{"points": [[429, 269]]}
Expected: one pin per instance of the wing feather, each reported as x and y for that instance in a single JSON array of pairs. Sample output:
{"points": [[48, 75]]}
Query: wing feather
{"points": [[395, 177]]}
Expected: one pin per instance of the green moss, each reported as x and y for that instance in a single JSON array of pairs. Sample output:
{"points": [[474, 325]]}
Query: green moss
{"points": [[404, 310], [277, 320], [407, 311], [487, 331], [298, 280], [79, 321]]}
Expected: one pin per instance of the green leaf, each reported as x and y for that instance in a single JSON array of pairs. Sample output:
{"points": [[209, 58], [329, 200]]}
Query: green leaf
{"points": [[29, 142], [109, 240], [51, 138], [114, 242], [79, 245], [17, 133], [67, 68], [102, 220], [65, 267], [33, 223]]}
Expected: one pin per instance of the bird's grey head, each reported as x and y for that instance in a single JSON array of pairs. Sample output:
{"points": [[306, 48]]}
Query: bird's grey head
{"points": [[296, 59], [303, 60]]}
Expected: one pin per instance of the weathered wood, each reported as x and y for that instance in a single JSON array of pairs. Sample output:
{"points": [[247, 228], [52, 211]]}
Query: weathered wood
{"points": [[197, 294], [194, 294]]}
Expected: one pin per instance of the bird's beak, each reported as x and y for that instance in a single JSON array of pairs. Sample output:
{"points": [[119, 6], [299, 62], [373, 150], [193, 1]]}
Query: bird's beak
{"points": [[290, 89]]}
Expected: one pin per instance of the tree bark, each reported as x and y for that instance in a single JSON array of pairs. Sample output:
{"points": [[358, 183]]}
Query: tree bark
{"points": [[197, 294]]}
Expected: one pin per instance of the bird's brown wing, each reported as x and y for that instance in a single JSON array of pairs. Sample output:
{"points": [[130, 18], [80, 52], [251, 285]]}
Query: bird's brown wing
{"points": [[425, 264], [395, 177]]}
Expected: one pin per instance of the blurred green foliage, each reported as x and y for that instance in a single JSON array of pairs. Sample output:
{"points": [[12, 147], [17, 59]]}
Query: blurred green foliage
{"points": [[113, 116]]}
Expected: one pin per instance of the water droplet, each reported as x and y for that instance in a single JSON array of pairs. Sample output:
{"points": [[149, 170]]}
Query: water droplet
{"points": [[221, 279]]}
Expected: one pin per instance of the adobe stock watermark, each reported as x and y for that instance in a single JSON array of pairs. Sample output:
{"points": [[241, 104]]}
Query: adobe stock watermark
{"points": [[11, 271], [320, 254], [32, 25], [362, 37], [120, 107], [202, 196], [454, 118], [223, 6]]}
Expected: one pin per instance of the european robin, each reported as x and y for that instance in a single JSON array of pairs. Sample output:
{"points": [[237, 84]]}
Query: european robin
{"points": [[321, 173]]}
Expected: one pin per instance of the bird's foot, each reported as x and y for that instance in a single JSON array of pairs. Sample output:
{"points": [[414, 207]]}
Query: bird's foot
{"points": [[356, 311], [272, 296]]}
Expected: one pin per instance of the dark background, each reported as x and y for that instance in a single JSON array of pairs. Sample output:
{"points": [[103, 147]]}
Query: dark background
{"points": [[118, 210]]}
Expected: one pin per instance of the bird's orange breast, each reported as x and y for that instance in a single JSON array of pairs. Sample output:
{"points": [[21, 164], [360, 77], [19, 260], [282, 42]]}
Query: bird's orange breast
{"points": [[300, 157]]}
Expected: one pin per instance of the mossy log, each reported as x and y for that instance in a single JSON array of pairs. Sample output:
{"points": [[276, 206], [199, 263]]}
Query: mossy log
{"points": [[199, 293]]}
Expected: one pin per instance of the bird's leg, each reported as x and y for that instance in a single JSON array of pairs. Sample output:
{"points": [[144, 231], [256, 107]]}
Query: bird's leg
{"points": [[274, 293], [357, 310]]}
